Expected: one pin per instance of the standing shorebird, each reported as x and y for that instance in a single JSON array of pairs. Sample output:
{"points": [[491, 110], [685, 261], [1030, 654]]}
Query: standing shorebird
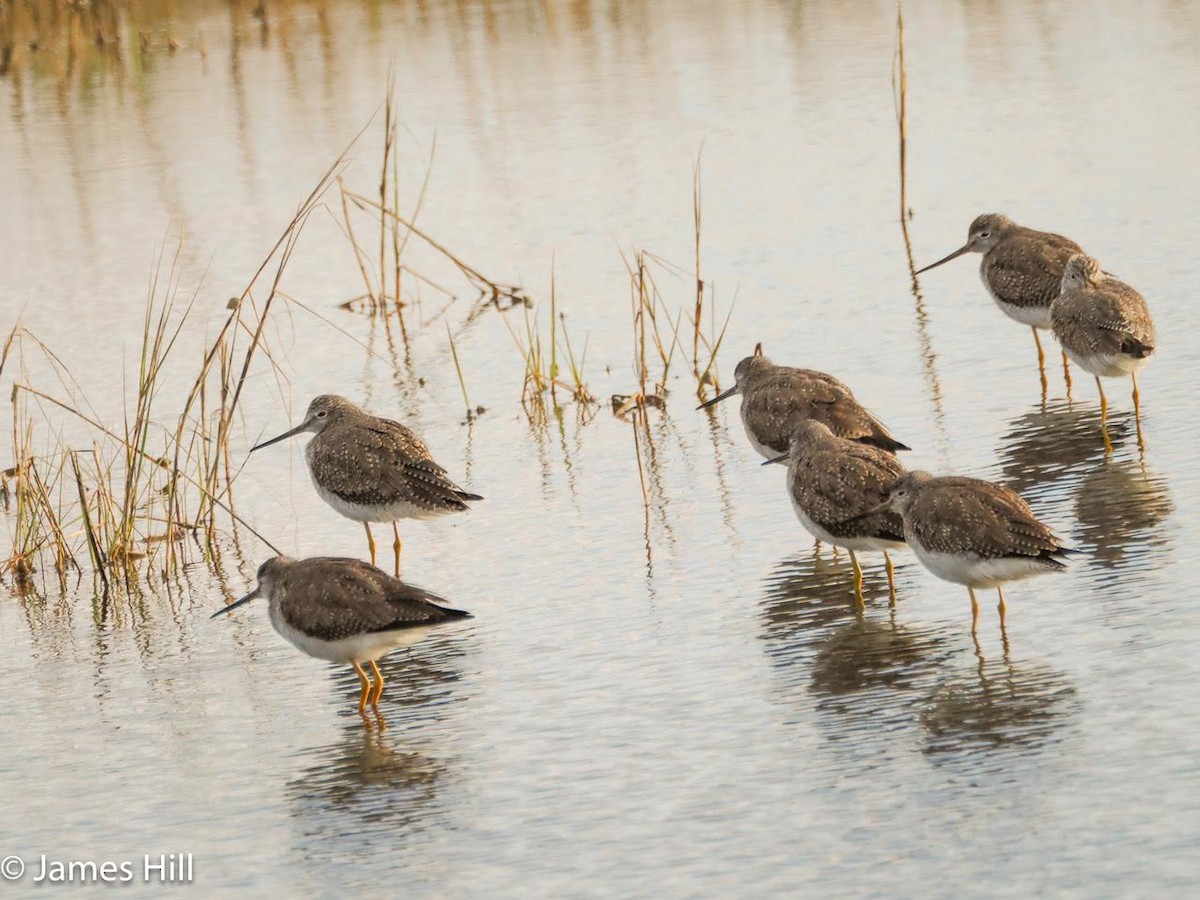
{"points": [[775, 399], [827, 478], [371, 469], [345, 611], [1022, 269], [1105, 326], [972, 532]]}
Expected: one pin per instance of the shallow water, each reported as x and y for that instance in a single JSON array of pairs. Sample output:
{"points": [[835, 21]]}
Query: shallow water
{"points": [[684, 698]]}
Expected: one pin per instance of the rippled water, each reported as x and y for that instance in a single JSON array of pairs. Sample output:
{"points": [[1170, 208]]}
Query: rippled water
{"points": [[683, 699]]}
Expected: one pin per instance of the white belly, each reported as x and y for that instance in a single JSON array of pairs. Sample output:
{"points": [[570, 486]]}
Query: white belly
{"points": [[358, 648], [976, 572], [858, 543], [389, 513], [1107, 365], [1034, 316]]}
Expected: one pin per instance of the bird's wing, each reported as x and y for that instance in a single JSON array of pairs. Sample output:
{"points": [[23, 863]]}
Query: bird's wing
{"points": [[355, 598], [1122, 312], [842, 483], [1027, 269], [780, 403], [965, 515], [388, 464]]}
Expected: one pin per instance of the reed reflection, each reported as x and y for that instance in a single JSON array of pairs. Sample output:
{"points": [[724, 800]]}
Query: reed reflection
{"points": [[380, 781]]}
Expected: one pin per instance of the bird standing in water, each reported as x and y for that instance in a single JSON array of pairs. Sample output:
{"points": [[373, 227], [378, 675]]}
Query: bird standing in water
{"points": [[776, 399], [371, 469], [343, 610], [1104, 325], [1022, 269], [972, 532], [827, 478]]}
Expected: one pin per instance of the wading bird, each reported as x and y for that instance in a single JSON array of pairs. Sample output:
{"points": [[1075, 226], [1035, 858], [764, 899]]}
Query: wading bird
{"points": [[1104, 325], [345, 611], [371, 469], [775, 399], [829, 477], [1022, 269]]}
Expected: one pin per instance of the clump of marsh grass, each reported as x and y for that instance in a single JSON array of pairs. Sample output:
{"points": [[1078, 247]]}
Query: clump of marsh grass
{"points": [[658, 324], [551, 366], [394, 228], [654, 334], [124, 497]]}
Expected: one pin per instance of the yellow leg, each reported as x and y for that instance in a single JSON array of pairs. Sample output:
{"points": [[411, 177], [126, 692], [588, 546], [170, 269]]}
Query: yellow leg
{"points": [[817, 549], [370, 542], [366, 686], [1000, 606], [378, 684], [974, 610], [858, 578], [1041, 358], [1137, 411], [1067, 373], [396, 546], [891, 573], [1108, 447]]}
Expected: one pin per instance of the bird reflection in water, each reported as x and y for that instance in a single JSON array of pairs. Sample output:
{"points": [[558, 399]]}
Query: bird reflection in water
{"points": [[806, 596], [375, 786], [853, 662], [869, 675], [371, 789], [1047, 445], [423, 676], [1120, 504], [1120, 507], [999, 705]]}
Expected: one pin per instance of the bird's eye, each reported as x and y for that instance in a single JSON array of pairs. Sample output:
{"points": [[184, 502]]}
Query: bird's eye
{"points": [[322, 414], [984, 234]]}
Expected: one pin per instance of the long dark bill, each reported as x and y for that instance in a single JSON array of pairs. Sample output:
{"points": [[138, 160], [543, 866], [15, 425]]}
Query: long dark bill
{"points": [[287, 434], [777, 459], [965, 248], [862, 515], [717, 399], [232, 606]]}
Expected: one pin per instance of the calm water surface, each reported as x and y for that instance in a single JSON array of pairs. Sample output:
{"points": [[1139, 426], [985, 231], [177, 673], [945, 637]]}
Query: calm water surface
{"points": [[683, 700]]}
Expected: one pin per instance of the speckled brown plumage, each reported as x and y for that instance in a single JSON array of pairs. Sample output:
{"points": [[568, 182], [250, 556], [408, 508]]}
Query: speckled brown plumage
{"points": [[834, 481], [776, 399], [1099, 319], [369, 461], [1025, 268], [971, 517], [332, 598], [372, 469], [343, 610], [1021, 267]]}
